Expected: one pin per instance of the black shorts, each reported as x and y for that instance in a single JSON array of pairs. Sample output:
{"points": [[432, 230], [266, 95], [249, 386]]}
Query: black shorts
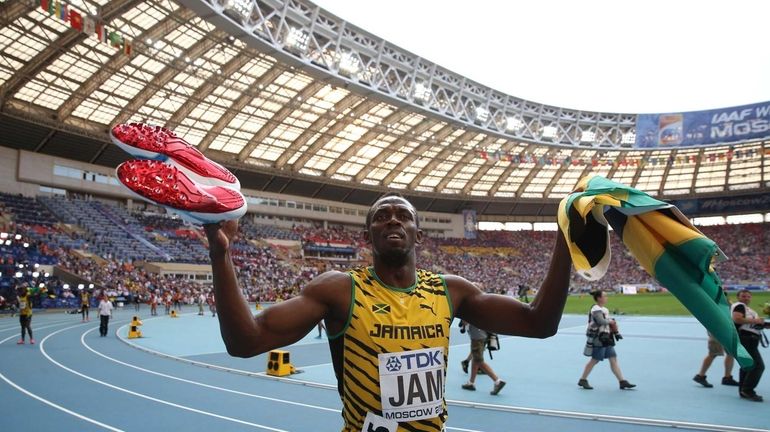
{"points": [[25, 320]]}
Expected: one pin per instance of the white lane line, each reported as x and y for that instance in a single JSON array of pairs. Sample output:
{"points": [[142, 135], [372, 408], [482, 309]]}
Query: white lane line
{"points": [[604, 417], [48, 324], [198, 383], [51, 404], [223, 368], [144, 396]]}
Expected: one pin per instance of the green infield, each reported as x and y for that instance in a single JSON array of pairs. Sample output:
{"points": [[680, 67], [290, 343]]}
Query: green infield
{"points": [[650, 304]]}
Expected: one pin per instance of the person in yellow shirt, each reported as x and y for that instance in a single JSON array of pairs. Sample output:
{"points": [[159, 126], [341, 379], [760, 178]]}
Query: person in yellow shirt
{"points": [[24, 303], [387, 324], [85, 304]]}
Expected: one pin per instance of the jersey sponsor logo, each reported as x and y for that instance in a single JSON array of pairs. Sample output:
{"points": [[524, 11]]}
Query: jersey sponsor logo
{"points": [[412, 384], [387, 331], [381, 308]]}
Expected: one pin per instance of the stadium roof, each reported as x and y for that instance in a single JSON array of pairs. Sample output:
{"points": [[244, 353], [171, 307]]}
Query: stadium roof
{"points": [[297, 101]]}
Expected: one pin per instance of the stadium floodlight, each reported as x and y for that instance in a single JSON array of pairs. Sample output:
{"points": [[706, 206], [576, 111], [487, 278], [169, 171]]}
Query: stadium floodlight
{"points": [[7, 242], [26, 245], [17, 237], [36, 265], [349, 64], [297, 40], [513, 124], [587, 136], [18, 274], [421, 92], [482, 114], [66, 286], [41, 285], [549, 132], [46, 274], [35, 274], [4, 235], [241, 8], [90, 286], [628, 138], [81, 286]]}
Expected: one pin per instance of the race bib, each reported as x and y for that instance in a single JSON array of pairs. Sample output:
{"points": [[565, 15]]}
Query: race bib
{"points": [[412, 384], [22, 305], [375, 423]]}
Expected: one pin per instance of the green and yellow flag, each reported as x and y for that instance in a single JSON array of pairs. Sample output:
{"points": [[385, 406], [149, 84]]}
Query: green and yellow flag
{"points": [[661, 238]]}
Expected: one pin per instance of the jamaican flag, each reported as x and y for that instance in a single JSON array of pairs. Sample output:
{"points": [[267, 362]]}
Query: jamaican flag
{"points": [[661, 238]]}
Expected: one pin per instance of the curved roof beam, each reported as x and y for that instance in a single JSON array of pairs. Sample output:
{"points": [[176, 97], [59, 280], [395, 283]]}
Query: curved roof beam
{"points": [[65, 41], [371, 134], [701, 154], [202, 92], [441, 157], [167, 74], [507, 173], [118, 60], [483, 170], [346, 102], [10, 11], [467, 157], [244, 99], [336, 128], [669, 165], [278, 118], [396, 145], [560, 173]]}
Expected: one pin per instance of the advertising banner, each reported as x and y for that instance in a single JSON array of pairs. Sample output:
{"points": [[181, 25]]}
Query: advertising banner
{"points": [[696, 128], [469, 223]]}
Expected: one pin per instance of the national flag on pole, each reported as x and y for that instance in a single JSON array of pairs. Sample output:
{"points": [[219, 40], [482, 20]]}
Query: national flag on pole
{"points": [[76, 20], [45, 5], [89, 25], [115, 38], [101, 33], [128, 47], [663, 241], [57, 8], [64, 12]]}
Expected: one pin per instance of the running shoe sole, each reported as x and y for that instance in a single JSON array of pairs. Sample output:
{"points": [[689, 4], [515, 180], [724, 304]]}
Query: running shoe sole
{"points": [[165, 185], [158, 143]]}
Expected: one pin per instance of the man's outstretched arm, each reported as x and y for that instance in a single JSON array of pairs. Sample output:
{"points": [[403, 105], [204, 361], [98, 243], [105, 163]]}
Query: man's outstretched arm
{"points": [[244, 334], [506, 315]]}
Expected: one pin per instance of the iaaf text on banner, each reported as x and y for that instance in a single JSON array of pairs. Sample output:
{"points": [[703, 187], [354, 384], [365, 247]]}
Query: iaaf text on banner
{"points": [[696, 128]]}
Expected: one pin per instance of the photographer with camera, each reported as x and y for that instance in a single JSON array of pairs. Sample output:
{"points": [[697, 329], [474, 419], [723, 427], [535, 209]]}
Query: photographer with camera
{"points": [[749, 325], [478, 343], [602, 332]]}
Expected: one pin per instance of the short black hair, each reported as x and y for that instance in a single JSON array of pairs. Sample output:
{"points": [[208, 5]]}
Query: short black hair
{"points": [[596, 294], [389, 195]]}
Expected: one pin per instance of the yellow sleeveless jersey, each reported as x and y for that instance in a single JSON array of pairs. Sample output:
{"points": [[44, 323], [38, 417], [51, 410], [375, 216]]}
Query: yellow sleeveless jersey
{"points": [[25, 305], [396, 344]]}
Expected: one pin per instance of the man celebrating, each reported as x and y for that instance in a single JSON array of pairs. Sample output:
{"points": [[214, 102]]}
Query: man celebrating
{"points": [[388, 324]]}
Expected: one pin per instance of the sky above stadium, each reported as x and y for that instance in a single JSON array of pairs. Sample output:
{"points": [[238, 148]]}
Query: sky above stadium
{"points": [[629, 56]]}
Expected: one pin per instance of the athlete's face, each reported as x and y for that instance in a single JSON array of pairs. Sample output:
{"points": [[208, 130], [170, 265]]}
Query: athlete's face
{"points": [[393, 230]]}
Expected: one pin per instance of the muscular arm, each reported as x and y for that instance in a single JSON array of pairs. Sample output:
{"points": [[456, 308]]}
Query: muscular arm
{"points": [[505, 315], [282, 324]]}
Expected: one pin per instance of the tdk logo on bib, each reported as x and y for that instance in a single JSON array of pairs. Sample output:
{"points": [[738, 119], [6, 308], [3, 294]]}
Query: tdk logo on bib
{"points": [[412, 384], [393, 364]]}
